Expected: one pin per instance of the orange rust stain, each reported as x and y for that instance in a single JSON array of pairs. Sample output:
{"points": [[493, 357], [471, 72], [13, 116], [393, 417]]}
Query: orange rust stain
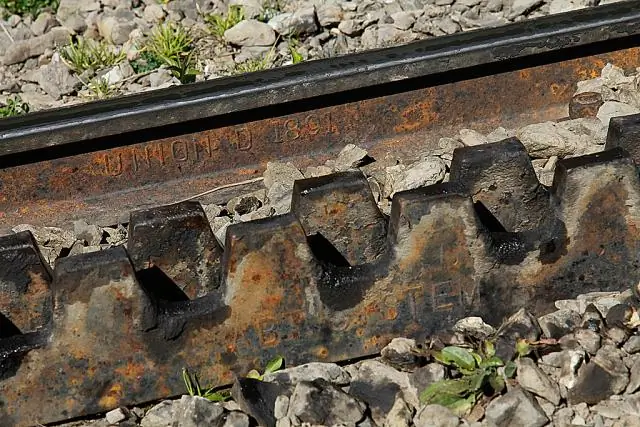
{"points": [[371, 308], [417, 116], [392, 313], [524, 74], [321, 352], [360, 332], [112, 397], [131, 370]]}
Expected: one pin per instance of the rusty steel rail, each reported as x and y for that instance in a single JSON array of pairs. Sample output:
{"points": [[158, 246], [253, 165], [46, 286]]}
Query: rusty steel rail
{"points": [[101, 160], [335, 278]]}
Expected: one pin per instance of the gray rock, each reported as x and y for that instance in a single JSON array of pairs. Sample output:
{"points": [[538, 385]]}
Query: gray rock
{"points": [[90, 234], [426, 375], [516, 408], [160, 77], [243, 205], [115, 30], [75, 23], [194, 411], [447, 25], [474, 327], [281, 407], [399, 354], [435, 416], [300, 22], [67, 8], [43, 23], [116, 235], [351, 27], [634, 377], [562, 417], [520, 325], [377, 384], [403, 20], [161, 415], [153, 13], [257, 398], [314, 171], [559, 323], [399, 415], [281, 173], [35, 46], [116, 416], [597, 380], [615, 109], [470, 137], [235, 419], [385, 35], [632, 345], [329, 14], [612, 409], [250, 32], [320, 402], [523, 7], [351, 156], [547, 139], [422, 173], [329, 372], [617, 335], [560, 6], [533, 379], [588, 339]]}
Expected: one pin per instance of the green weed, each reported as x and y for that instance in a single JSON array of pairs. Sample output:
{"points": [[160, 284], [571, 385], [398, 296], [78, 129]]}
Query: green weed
{"points": [[85, 54], [14, 107], [28, 7], [272, 366], [270, 8], [193, 388], [172, 45], [100, 88], [479, 377], [146, 62], [296, 56], [218, 24]]}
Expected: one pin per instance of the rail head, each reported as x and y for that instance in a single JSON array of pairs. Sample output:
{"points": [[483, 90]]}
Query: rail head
{"points": [[423, 59]]}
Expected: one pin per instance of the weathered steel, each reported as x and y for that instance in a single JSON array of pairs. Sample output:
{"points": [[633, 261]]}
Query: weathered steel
{"points": [[112, 341], [624, 132], [173, 144], [585, 104]]}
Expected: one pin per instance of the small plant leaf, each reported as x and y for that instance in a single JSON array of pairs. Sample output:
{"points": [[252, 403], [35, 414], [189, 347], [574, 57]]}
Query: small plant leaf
{"points": [[497, 383], [489, 349], [274, 364], [523, 347], [510, 369], [456, 387], [254, 374], [477, 380], [492, 362], [463, 406], [460, 357]]}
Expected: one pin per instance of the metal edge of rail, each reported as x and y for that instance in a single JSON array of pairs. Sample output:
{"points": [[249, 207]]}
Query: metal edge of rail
{"points": [[332, 280], [528, 79], [419, 60]]}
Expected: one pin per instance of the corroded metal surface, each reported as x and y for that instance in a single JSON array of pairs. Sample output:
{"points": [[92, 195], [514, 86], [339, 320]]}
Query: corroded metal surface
{"points": [[84, 180], [114, 339]]}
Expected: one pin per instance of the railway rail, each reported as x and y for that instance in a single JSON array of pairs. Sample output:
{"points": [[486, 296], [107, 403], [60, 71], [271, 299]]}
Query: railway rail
{"points": [[108, 329]]}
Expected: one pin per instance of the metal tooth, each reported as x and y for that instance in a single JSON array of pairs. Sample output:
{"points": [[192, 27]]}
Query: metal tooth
{"points": [[175, 242], [501, 176], [341, 208], [597, 198], [25, 278], [437, 255], [624, 132], [101, 287]]}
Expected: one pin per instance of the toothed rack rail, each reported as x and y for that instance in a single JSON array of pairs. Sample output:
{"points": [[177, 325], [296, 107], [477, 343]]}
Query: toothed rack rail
{"points": [[335, 278]]}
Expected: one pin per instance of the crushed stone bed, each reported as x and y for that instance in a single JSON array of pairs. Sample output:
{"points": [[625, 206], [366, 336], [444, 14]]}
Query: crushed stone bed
{"points": [[266, 34]]}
